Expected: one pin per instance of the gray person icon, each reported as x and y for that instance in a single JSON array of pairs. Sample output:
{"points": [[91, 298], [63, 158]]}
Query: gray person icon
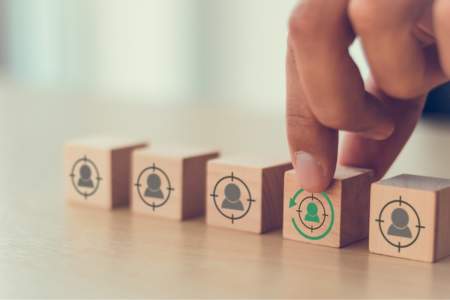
{"points": [[399, 226], [153, 189], [85, 177], [232, 197]]}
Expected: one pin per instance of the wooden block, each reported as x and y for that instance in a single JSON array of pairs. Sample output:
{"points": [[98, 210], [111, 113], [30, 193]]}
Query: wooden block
{"points": [[98, 170], [336, 217], [410, 217], [246, 194], [170, 182]]}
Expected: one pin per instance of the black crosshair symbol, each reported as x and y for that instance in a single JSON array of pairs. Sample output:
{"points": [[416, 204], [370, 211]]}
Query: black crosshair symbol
{"points": [[299, 212], [153, 168], [419, 225], [214, 196], [72, 175]]}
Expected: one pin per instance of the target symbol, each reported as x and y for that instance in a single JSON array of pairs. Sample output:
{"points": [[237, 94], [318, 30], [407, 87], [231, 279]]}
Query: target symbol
{"points": [[155, 193], [85, 177], [396, 229], [236, 200], [316, 215], [311, 202]]}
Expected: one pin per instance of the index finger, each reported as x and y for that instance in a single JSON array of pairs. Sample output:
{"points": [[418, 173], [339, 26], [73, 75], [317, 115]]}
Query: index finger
{"points": [[313, 146], [322, 33]]}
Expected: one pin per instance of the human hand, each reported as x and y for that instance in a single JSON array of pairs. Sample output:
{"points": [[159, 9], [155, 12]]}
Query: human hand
{"points": [[407, 45]]}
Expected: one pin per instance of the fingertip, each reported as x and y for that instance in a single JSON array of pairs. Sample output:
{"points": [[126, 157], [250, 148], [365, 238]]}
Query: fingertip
{"points": [[312, 175]]}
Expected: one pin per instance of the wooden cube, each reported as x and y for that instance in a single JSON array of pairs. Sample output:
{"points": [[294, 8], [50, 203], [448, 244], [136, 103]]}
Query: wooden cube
{"points": [[335, 217], [170, 182], [410, 217], [97, 171], [246, 194]]}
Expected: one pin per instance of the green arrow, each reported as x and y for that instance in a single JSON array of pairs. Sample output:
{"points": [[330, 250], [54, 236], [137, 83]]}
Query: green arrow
{"points": [[292, 200], [330, 226]]}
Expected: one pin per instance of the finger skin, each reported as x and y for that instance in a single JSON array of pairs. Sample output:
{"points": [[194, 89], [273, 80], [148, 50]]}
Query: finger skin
{"points": [[441, 14], [306, 134], [320, 34], [360, 152], [396, 57]]}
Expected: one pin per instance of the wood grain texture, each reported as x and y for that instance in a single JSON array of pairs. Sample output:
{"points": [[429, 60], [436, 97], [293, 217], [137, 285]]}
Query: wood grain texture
{"points": [[272, 196], [261, 192], [194, 185], [442, 240], [52, 250], [108, 161], [182, 170], [355, 206], [349, 196], [425, 200]]}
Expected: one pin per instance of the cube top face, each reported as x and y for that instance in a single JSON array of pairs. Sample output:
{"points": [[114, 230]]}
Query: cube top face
{"points": [[176, 152], [234, 195], [252, 162], [403, 214], [342, 173], [89, 170], [416, 182], [318, 217], [168, 183], [106, 143]]}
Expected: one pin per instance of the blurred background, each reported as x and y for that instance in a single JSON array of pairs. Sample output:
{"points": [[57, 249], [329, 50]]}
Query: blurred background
{"points": [[154, 51], [164, 69], [167, 51], [179, 71]]}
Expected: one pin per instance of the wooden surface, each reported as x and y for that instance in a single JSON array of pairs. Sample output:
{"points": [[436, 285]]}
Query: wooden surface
{"points": [[49, 249], [272, 195]]}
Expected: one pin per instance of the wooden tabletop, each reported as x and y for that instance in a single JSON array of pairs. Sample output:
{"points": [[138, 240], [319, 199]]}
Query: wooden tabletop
{"points": [[51, 249]]}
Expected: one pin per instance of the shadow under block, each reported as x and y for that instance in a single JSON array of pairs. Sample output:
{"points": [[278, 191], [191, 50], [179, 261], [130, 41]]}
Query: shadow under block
{"points": [[336, 217], [97, 171], [410, 217], [171, 182], [246, 195]]}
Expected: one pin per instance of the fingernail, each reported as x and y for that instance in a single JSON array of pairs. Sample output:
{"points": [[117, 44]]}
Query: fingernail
{"points": [[310, 173]]}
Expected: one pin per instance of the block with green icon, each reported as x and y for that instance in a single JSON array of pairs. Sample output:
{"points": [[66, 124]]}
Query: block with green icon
{"points": [[336, 217]]}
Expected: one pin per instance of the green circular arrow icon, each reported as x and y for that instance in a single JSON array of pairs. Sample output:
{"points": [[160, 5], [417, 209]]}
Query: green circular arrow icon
{"points": [[292, 203]]}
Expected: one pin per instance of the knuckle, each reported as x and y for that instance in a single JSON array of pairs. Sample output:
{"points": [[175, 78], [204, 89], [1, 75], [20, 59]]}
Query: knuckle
{"points": [[402, 89], [337, 117], [300, 120], [441, 15], [303, 23], [302, 128], [336, 122], [365, 15], [446, 66], [440, 12]]}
